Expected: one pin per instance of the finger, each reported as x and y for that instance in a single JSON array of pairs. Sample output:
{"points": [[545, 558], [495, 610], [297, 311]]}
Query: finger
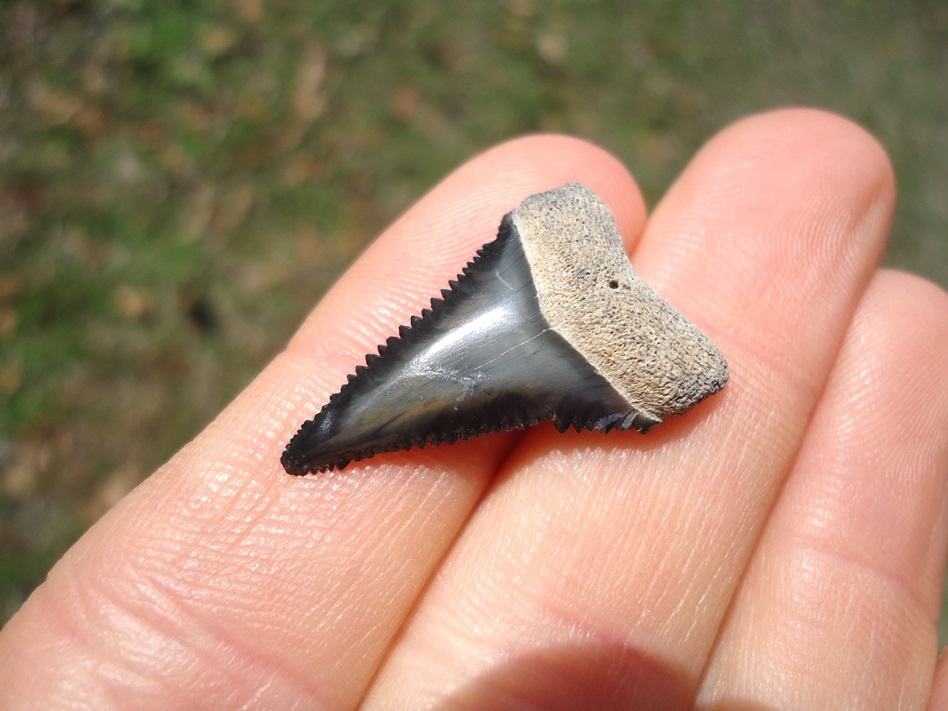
{"points": [[939, 697], [223, 582], [597, 569], [840, 605]]}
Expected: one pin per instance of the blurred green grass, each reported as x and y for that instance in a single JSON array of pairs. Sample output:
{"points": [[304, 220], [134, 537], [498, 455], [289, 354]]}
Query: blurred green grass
{"points": [[180, 182]]}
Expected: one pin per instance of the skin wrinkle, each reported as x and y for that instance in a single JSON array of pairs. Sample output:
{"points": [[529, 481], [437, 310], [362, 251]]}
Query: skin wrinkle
{"points": [[824, 516], [477, 607], [189, 621], [353, 480], [469, 622], [808, 541], [818, 386], [565, 624], [866, 449], [412, 610], [830, 560], [886, 637], [545, 592], [73, 632], [117, 686]]}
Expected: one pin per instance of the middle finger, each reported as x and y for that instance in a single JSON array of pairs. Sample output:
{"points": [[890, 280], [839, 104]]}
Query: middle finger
{"points": [[596, 571]]}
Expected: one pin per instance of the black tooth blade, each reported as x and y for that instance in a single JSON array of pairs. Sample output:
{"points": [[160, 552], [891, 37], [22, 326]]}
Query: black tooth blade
{"points": [[484, 359]]}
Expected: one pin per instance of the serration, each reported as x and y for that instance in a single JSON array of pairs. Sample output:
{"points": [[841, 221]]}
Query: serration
{"points": [[548, 322]]}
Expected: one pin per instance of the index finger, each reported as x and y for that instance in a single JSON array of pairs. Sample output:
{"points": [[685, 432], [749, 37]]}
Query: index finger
{"points": [[223, 582]]}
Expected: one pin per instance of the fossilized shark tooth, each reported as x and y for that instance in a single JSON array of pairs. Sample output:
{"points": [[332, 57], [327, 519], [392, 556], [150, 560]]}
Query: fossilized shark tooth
{"points": [[548, 322]]}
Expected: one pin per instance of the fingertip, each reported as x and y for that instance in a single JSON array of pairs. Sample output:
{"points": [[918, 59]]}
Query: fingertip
{"points": [[829, 140], [432, 241], [555, 157], [479, 192], [923, 301], [797, 155], [780, 218]]}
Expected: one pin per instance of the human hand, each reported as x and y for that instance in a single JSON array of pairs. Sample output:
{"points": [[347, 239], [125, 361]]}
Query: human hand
{"points": [[781, 546]]}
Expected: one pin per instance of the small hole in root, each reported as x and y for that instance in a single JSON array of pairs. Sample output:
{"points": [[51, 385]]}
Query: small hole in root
{"points": [[613, 284]]}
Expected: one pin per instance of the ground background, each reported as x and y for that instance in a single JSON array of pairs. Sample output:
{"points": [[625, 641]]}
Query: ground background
{"points": [[181, 181]]}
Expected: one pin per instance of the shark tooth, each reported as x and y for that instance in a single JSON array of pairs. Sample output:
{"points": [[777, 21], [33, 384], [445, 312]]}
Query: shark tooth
{"points": [[548, 322]]}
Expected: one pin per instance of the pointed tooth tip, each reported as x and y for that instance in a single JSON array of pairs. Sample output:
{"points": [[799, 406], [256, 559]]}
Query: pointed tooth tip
{"points": [[292, 466], [298, 466]]}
